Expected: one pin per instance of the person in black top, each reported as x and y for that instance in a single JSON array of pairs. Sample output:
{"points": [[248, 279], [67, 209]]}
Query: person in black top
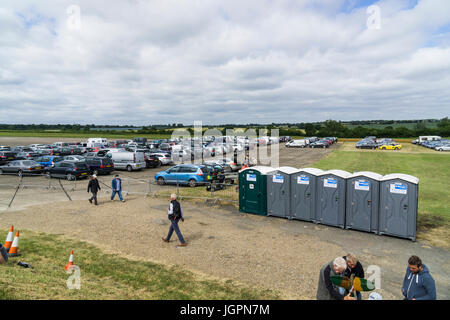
{"points": [[354, 267], [175, 214], [93, 187]]}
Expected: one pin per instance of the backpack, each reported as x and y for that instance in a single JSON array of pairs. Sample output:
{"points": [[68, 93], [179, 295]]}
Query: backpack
{"points": [[176, 209]]}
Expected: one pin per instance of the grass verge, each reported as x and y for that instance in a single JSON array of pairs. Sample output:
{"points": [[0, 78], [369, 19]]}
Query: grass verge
{"points": [[105, 276]]}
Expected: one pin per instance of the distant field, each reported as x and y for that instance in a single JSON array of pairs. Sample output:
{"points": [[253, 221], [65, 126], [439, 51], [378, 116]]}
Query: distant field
{"points": [[411, 126], [433, 172], [82, 135]]}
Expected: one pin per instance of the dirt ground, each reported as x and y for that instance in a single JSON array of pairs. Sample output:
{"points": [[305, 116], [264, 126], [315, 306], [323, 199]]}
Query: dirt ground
{"points": [[266, 252]]}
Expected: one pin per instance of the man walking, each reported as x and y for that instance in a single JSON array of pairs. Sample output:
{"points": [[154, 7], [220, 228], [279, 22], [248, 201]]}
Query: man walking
{"points": [[326, 290], [175, 214], [117, 188], [93, 187], [418, 283]]}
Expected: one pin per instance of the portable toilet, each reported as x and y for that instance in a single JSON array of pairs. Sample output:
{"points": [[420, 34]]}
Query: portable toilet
{"points": [[363, 196], [398, 205], [278, 191], [331, 189], [303, 193], [253, 190]]}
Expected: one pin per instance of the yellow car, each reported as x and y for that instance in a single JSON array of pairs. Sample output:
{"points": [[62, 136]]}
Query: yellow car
{"points": [[390, 146]]}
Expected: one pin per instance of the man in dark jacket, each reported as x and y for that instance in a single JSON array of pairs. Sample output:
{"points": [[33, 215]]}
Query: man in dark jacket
{"points": [[3, 254], [418, 283], [93, 187], [326, 290], [354, 267], [117, 188], [175, 214]]}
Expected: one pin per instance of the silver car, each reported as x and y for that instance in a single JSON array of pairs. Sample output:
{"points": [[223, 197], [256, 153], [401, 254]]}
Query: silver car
{"points": [[445, 147], [21, 167]]}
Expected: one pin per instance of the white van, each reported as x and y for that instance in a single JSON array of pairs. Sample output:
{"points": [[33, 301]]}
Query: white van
{"points": [[127, 160], [429, 138], [94, 142], [297, 144]]}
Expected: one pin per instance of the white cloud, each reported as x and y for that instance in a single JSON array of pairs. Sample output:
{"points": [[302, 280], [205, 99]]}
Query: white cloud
{"points": [[160, 61]]}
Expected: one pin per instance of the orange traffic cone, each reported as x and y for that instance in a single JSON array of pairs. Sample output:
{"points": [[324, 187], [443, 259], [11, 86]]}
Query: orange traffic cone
{"points": [[69, 264], [9, 239], [13, 251]]}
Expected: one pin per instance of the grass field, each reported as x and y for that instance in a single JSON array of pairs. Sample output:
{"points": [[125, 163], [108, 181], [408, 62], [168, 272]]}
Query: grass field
{"points": [[105, 276], [433, 172]]}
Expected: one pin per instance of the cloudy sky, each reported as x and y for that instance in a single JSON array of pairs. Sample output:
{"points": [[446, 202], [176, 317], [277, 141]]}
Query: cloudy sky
{"points": [[143, 62]]}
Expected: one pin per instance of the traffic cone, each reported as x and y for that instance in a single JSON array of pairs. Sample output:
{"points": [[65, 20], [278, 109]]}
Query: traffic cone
{"points": [[13, 251], [70, 263], [9, 239]]}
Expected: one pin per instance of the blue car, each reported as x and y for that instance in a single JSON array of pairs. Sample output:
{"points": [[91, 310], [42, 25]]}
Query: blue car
{"points": [[189, 174], [48, 161]]}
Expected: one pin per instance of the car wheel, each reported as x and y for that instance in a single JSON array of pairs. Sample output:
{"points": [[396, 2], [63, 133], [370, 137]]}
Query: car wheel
{"points": [[192, 183], [395, 148], [20, 173], [70, 177], [129, 168], [161, 181]]}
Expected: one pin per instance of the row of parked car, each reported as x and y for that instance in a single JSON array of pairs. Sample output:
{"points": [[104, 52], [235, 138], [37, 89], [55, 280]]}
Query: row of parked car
{"points": [[371, 142], [433, 142], [312, 142], [101, 157]]}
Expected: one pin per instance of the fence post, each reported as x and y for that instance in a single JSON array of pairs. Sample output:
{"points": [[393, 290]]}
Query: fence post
{"points": [[178, 189]]}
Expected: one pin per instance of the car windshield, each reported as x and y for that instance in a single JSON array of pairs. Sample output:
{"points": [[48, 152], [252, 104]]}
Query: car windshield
{"points": [[29, 163]]}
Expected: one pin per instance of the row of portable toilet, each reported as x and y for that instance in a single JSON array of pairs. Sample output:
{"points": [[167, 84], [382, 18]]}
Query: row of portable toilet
{"points": [[363, 201]]}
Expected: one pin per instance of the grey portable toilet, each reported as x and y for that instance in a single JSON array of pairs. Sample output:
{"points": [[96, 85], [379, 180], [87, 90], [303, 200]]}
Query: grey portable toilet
{"points": [[279, 191], [398, 205], [363, 195], [303, 194], [331, 189]]}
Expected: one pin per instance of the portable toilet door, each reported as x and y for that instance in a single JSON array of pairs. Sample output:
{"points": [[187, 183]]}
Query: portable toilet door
{"points": [[363, 195], [331, 189], [303, 194], [398, 205], [278, 192], [253, 190]]}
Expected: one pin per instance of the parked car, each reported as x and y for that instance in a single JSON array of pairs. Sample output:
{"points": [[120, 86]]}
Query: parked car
{"points": [[22, 167], [6, 156], [48, 161], [165, 158], [74, 158], [152, 161], [319, 144], [296, 144], [390, 146], [26, 155], [100, 165], [127, 160], [191, 175], [366, 144], [69, 170], [445, 147]]}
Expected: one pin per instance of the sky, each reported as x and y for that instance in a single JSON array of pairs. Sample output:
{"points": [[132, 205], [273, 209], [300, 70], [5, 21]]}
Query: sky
{"points": [[144, 62]]}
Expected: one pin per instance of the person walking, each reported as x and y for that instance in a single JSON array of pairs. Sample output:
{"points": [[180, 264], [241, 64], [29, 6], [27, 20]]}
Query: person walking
{"points": [[354, 267], [326, 290], [93, 187], [175, 214], [3, 254], [418, 283], [116, 188]]}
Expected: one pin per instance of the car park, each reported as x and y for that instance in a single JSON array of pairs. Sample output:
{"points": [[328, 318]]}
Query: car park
{"points": [[69, 170], [22, 167], [191, 175]]}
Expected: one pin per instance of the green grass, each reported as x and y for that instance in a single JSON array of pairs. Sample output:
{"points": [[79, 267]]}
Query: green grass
{"points": [[105, 276], [432, 170]]}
